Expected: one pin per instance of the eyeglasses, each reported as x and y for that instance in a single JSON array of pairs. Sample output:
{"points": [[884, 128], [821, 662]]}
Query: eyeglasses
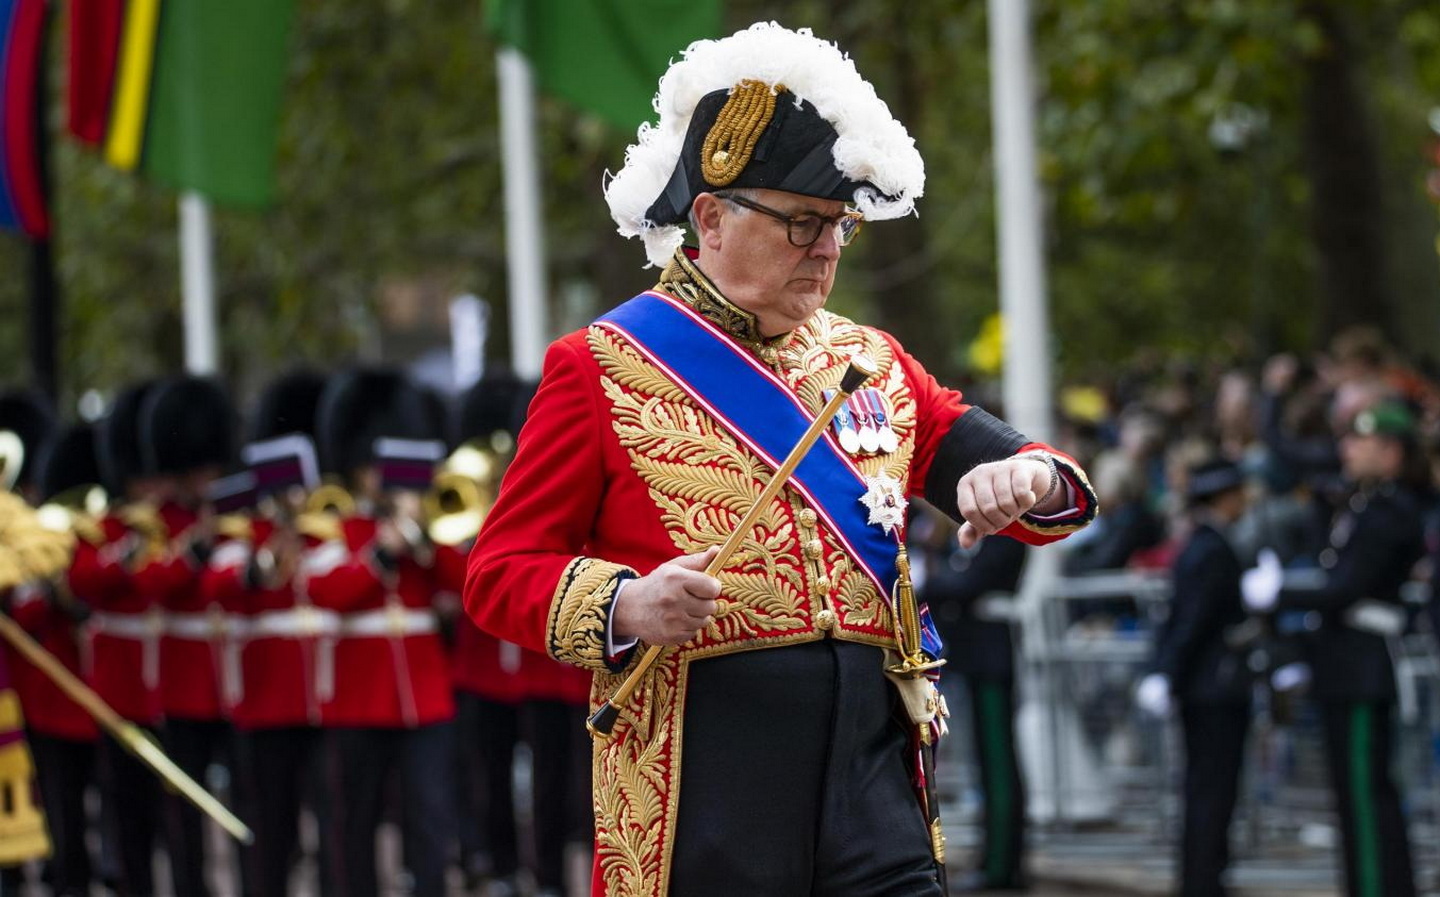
{"points": [[804, 230]]}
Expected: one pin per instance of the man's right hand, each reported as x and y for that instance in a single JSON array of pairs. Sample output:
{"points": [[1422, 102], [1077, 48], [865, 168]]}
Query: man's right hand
{"points": [[670, 605]]}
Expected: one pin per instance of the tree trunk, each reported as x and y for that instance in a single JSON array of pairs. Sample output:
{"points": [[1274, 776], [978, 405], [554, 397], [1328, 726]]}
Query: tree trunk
{"points": [[1347, 220]]}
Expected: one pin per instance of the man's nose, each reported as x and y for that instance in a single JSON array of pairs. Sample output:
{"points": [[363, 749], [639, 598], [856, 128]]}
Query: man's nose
{"points": [[828, 245]]}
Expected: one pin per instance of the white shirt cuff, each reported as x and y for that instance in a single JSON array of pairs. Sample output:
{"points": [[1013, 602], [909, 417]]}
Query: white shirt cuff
{"points": [[1071, 508], [612, 649]]}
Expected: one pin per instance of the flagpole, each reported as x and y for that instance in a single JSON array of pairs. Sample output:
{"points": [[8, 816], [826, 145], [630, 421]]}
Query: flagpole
{"points": [[1027, 383], [197, 284], [1022, 258], [524, 229]]}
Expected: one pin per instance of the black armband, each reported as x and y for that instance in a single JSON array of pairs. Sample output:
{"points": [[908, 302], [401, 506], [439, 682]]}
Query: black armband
{"points": [[977, 437]]}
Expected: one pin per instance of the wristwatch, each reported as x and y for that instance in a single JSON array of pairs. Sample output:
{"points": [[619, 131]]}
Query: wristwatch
{"points": [[1048, 460]]}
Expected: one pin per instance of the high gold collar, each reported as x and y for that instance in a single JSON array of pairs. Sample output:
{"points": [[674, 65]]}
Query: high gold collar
{"points": [[689, 284]]}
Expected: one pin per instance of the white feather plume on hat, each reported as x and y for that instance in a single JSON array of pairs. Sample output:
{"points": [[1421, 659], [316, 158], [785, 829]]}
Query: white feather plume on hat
{"points": [[872, 146]]}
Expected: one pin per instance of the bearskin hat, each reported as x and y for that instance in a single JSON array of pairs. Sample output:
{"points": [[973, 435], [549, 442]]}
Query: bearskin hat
{"points": [[288, 405], [118, 438], [186, 423], [69, 459], [362, 405], [29, 416]]}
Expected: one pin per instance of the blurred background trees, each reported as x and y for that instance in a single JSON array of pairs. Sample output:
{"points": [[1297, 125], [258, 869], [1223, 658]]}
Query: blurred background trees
{"points": [[1224, 179]]}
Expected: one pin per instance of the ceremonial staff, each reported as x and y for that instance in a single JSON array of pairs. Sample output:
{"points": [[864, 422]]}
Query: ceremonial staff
{"points": [[128, 734], [861, 369]]}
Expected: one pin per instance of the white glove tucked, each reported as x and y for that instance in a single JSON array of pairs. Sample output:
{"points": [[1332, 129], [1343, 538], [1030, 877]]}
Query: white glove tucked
{"points": [[1260, 585], [1152, 695]]}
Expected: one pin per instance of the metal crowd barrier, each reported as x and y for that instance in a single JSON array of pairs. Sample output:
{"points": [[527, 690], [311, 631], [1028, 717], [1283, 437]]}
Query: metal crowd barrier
{"points": [[1098, 768]]}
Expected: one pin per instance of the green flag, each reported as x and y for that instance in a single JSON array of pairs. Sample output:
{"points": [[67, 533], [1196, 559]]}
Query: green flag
{"points": [[605, 56], [215, 102]]}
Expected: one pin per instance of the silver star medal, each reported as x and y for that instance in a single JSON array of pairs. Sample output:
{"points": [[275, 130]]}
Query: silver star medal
{"points": [[886, 500]]}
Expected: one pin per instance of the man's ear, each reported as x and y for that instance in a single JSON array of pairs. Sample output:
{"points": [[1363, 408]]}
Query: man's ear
{"points": [[708, 212]]}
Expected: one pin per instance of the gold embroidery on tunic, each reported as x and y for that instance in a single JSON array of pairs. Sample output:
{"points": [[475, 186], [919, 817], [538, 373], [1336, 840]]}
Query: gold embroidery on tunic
{"points": [[635, 812], [579, 610], [702, 481]]}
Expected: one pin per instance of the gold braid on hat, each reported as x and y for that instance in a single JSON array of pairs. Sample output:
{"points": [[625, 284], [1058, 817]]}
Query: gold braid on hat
{"points": [[731, 140]]}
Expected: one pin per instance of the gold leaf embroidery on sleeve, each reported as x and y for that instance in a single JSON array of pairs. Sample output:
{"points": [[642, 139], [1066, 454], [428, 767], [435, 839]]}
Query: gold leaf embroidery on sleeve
{"points": [[580, 609]]}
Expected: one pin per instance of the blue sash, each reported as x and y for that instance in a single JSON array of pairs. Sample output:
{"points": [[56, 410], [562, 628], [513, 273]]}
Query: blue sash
{"points": [[758, 409]]}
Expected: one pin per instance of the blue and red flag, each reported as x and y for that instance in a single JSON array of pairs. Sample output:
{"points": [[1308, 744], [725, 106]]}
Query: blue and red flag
{"points": [[22, 191]]}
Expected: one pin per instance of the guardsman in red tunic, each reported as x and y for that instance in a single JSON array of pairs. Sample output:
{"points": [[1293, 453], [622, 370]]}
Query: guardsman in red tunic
{"points": [[187, 436], [125, 626], [391, 710], [767, 752], [62, 735], [288, 648]]}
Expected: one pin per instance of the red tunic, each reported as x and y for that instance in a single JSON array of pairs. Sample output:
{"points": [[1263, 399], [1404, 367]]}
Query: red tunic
{"points": [[617, 471], [125, 627], [47, 709], [480, 663], [288, 645], [196, 628], [390, 665]]}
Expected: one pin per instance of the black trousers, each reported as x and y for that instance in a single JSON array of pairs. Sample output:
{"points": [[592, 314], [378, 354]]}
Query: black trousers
{"points": [[485, 735], [560, 751], [992, 728], [795, 780], [63, 770], [130, 797], [276, 765], [1214, 752], [1377, 851], [193, 745], [365, 759]]}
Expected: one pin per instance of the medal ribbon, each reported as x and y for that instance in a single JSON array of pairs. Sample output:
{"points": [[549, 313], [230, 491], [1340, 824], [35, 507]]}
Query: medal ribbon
{"points": [[750, 402]]}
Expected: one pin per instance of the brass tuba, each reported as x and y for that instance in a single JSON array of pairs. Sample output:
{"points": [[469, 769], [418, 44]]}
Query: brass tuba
{"points": [[461, 495], [324, 508]]}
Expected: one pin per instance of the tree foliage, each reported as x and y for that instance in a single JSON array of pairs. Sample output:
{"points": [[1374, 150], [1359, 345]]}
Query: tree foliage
{"points": [[1161, 234]]}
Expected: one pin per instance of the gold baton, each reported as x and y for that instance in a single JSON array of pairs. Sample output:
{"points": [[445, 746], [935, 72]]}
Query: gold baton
{"points": [[861, 369], [130, 736]]}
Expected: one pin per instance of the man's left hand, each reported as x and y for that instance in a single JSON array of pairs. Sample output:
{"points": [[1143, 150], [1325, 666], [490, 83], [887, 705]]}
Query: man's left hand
{"points": [[992, 496]]}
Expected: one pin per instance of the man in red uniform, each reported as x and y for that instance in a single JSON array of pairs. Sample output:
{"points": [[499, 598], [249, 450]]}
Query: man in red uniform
{"points": [[187, 438], [62, 734], [489, 683], [392, 708], [126, 625], [288, 648], [762, 754]]}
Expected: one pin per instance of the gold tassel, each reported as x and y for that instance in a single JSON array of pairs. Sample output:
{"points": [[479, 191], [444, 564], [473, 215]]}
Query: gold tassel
{"points": [[22, 824]]}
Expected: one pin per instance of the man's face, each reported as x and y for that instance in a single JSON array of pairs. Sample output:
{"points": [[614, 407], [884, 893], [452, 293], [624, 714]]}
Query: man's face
{"points": [[749, 257], [1370, 457]]}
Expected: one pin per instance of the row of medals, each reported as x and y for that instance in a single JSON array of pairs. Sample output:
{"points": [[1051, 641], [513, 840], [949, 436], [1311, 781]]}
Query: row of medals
{"points": [[862, 425]]}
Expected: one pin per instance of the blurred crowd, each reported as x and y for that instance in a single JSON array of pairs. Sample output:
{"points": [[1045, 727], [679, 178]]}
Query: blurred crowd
{"points": [[270, 590], [1293, 510]]}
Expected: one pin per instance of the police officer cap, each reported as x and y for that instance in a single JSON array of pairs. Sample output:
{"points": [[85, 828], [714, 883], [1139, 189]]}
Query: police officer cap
{"points": [[186, 423], [118, 438], [362, 405], [287, 405], [1213, 478], [68, 460], [1387, 418], [766, 107], [29, 416]]}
